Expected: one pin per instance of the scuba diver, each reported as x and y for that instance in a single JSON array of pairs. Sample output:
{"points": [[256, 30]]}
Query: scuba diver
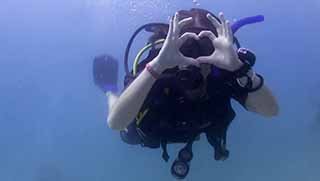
{"points": [[184, 86]]}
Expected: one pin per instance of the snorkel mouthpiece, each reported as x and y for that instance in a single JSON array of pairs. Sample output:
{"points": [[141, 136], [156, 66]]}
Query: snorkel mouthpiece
{"points": [[245, 21]]}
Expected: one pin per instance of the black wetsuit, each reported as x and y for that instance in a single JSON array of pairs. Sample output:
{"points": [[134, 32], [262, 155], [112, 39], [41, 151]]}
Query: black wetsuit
{"points": [[168, 114]]}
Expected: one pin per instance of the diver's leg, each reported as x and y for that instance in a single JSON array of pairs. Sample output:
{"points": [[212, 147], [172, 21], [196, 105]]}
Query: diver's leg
{"points": [[220, 152]]}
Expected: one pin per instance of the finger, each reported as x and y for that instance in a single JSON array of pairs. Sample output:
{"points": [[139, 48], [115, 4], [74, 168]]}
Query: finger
{"points": [[203, 59], [229, 31], [215, 23], [226, 28], [170, 31], [191, 61], [184, 22], [213, 20], [223, 22], [176, 24], [208, 34], [187, 36]]}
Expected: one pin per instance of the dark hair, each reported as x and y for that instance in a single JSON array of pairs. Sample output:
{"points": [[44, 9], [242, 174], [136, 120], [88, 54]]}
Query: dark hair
{"points": [[200, 20]]}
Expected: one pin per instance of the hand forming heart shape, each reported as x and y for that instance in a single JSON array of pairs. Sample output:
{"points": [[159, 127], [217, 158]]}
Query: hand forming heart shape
{"points": [[224, 56]]}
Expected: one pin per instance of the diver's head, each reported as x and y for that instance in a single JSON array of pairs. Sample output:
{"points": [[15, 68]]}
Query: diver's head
{"points": [[200, 21], [193, 78], [191, 48]]}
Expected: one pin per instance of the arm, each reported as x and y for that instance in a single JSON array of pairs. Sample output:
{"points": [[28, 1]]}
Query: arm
{"points": [[123, 109], [225, 57]]}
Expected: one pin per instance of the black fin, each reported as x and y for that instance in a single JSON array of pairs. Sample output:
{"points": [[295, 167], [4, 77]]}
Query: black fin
{"points": [[105, 72]]}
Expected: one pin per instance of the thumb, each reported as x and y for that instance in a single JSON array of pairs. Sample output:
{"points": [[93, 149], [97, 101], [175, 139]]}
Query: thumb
{"points": [[203, 59], [190, 61]]}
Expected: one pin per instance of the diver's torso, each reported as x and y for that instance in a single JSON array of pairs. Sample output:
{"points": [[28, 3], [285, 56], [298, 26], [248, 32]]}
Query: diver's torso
{"points": [[173, 115]]}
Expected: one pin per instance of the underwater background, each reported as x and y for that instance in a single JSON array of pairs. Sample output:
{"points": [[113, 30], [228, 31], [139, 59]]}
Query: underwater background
{"points": [[53, 118]]}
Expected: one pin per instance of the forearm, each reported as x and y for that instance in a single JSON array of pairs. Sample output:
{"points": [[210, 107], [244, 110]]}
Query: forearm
{"points": [[262, 101], [123, 110]]}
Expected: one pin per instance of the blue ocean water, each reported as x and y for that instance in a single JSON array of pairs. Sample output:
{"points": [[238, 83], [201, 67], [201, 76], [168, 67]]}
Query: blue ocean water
{"points": [[53, 118]]}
